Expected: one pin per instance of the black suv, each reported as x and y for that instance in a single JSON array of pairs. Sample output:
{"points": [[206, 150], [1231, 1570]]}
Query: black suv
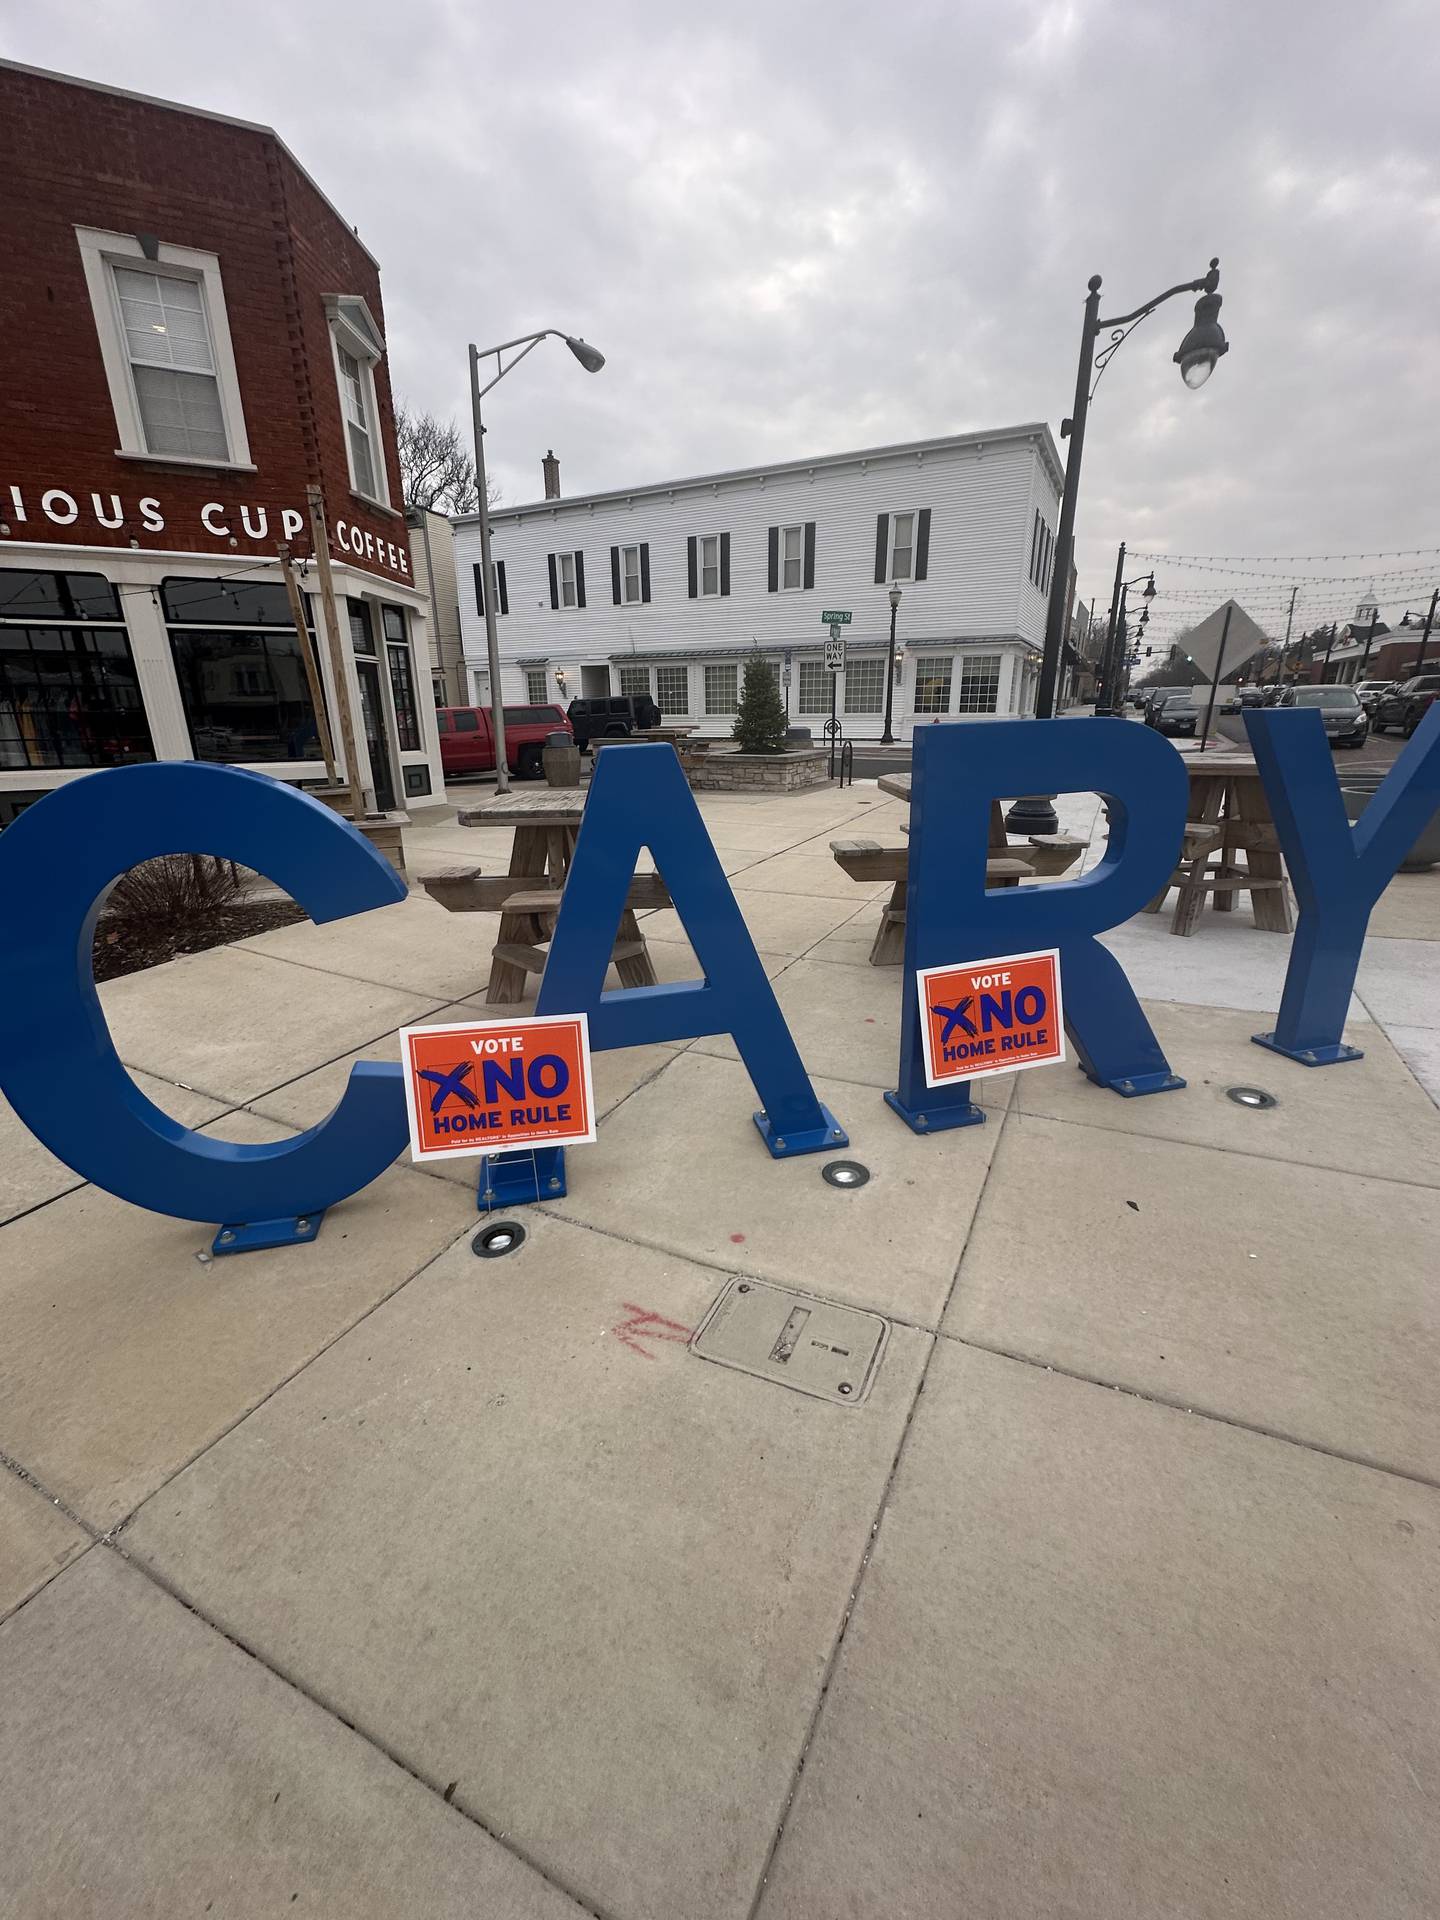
{"points": [[617, 714], [1406, 706]]}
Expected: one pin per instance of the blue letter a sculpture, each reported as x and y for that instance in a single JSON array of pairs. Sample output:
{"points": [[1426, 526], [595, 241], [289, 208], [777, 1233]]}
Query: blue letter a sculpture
{"points": [[639, 798]]}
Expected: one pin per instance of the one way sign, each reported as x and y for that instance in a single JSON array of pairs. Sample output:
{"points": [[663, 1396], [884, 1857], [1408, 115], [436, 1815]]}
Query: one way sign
{"points": [[997, 1017]]}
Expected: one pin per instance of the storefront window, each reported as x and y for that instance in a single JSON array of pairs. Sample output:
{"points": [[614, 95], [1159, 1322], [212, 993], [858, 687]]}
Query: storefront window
{"points": [[362, 634], [225, 603], [244, 688], [69, 696]]}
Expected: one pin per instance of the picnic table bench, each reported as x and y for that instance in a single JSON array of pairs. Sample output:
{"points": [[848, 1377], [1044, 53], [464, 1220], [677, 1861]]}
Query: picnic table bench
{"points": [[528, 897]]}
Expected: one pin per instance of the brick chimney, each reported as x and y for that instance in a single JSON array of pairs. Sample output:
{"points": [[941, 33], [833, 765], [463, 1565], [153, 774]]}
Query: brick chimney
{"points": [[550, 467]]}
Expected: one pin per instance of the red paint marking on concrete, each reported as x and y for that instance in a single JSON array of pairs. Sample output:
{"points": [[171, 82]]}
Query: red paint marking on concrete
{"points": [[738, 1238], [645, 1325]]}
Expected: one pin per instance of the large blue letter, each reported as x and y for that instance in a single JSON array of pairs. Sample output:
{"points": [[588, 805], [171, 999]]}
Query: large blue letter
{"points": [[1338, 872], [639, 798], [58, 1065], [950, 918]]}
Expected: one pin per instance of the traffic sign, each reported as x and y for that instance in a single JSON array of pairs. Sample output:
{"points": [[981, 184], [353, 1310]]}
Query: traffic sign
{"points": [[997, 1017], [835, 651], [834, 619], [482, 1087]]}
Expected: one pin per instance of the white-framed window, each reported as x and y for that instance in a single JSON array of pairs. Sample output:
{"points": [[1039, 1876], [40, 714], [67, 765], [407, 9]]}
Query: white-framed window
{"points": [[932, 685], [722, 689], [672, 689], [165, 346], [979, 682], [630, 574], [902, 546], [792, 557], [634, 681], [813, 691], [537, 686], [709, 565], [565, 578], [359, 348], [864, 686]]}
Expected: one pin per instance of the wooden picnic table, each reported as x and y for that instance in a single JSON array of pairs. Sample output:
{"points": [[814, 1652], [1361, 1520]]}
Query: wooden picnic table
{"points": [[1006, 866], [546, 823], [1229, 815]]}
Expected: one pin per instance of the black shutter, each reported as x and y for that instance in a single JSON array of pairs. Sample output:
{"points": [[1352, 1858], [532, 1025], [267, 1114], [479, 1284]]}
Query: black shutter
{"points": [[724, 563], [922, 545], [579, 579], [479, 591], [882, 546], [554, 583], [644, 569], [774, 559], [690, 565], [1034, 545], [615, 575], [503, 596], [809, 553]]}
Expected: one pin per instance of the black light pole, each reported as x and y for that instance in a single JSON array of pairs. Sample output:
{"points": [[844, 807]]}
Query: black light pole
{"points": [[1329, 648], [1196, 357], [1115, 645], [1369, 641], [887, 738]]}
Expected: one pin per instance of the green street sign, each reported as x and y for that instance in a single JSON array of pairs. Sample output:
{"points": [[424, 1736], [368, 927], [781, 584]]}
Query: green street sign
{"points": [[834, 619]]}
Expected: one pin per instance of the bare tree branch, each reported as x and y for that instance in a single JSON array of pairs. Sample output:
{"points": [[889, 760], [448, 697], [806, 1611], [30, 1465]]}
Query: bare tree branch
{"points": [[437, 469]]}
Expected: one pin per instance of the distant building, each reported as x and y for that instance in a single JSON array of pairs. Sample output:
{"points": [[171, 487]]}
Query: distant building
{"points": [[432, 558], [669, 588], [193, 336]]}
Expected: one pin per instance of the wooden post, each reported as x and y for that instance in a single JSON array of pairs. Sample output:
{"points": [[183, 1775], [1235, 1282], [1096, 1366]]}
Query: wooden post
{"points": [[320, 540], [312, 668]]}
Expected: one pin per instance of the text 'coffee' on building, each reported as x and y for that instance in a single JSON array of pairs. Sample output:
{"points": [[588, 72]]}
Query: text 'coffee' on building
{"points": [[194, 338], [668, 589]]}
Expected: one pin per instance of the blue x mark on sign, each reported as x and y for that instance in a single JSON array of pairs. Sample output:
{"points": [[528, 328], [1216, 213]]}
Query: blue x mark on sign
{"points": [[448, 1083], [955, 1017]]}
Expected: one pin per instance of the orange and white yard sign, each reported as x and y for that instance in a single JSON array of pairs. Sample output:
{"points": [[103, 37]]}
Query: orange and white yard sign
{"points": [[998, 1017], [487, 1086]]}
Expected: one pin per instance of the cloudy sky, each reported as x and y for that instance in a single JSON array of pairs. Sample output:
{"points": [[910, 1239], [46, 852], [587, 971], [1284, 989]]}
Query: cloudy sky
{"points": [[796, 228]]}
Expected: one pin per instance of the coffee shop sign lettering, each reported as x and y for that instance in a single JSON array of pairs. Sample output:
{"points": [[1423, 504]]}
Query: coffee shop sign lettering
{"points": [[222, 520]]}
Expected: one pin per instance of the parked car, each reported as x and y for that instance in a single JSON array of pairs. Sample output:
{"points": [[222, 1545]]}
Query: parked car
{"points": [[1252, 696], [1371, 692], [467, 739], [1154, 697], [1180, 714], [1406, 706], [615, 715], [1346, 722]]}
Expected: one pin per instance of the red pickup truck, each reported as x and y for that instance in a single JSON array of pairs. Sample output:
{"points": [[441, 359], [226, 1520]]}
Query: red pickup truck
{"points": [[467, 740]]}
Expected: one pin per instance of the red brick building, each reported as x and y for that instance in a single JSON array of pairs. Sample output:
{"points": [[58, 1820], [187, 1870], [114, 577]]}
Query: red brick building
{"points": [[193, 337]]}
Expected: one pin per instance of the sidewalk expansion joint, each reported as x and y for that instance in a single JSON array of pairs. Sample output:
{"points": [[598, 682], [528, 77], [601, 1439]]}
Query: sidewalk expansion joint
{"points": [[159, 1580]]}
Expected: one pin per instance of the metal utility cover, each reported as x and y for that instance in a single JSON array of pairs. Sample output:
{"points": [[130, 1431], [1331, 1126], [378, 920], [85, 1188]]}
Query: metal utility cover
{"points": [[830, 1352]]}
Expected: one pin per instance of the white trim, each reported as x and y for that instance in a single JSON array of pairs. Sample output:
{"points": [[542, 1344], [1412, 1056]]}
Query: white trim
{"points": [[346, 313], [100, 253]]}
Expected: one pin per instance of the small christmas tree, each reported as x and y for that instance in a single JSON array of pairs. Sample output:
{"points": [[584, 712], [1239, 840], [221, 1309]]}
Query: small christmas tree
{"points": [[760, 717]]}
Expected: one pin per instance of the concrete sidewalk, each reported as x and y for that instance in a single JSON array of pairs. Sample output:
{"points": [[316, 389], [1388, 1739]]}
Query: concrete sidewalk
{"points": [[371, 1579]]}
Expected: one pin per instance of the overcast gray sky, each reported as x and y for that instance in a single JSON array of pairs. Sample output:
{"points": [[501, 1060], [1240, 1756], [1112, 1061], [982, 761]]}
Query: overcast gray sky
{"points": [[796, 228]]}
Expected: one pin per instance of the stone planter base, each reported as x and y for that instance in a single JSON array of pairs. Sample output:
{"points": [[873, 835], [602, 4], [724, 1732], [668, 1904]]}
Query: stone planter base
{"points": [[760, 772]]}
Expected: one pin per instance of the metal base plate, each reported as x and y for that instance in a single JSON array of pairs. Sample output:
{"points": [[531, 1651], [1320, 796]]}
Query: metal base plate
{"points": [[829, 1352], [1139, 1084], [519, 1179], [936, 1118], [1333, 1056], [821, 1139], [254, 1235]]}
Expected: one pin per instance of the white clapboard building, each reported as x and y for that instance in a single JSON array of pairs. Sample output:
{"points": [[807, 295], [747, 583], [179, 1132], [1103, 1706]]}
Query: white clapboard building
{"points": [[668, 589]]}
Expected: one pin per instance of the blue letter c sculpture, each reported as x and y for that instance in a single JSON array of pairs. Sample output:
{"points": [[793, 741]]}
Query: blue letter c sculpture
{"points": [[58, 1065]]}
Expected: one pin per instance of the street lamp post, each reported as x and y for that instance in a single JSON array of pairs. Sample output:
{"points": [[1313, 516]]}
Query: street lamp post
{"points": [[1196, 357], [1114, 653], [887, 738], [592, 360]]}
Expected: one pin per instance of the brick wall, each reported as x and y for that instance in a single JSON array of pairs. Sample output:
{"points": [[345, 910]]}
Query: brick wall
{"points": [[75, 156]]}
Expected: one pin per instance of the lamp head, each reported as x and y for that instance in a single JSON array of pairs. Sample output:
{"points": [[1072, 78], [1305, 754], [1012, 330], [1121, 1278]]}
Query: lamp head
{"points": [[1149, 593], [894, 593], [1203, 344], [589, 357]]}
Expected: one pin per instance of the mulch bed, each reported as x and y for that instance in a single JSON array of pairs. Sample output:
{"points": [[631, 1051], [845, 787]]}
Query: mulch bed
{"points": [[129, 947]]}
